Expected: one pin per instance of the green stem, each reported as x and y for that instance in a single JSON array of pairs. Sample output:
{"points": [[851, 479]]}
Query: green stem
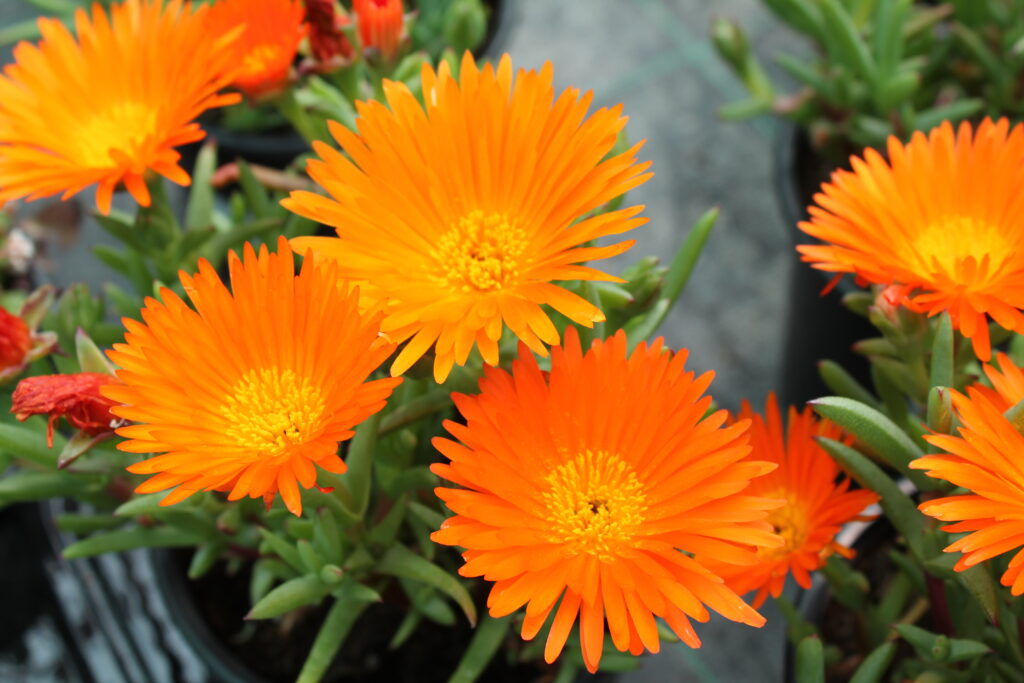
{"points": [[296, 115]]}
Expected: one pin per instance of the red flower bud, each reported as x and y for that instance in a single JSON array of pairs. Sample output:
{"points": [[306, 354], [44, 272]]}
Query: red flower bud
{"points": [[15, 340], [75, 397], [380, 24], [326, 39]]}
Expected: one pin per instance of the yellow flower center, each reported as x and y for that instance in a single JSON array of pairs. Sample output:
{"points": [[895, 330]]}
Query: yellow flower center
{"points": [[123, 126], [259, 59], [271, 410], [944, 245], [790, 521], [595, 504], [481, 252]]}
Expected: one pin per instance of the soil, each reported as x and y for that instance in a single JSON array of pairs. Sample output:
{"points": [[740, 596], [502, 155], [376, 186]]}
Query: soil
{"points": [[274, 650]]}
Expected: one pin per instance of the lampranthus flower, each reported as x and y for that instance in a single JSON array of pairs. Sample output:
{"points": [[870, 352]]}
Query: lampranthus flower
{"points": [[1007, 380], [380, 23], [817, 505], [75, 397], [459, 217], [252, 390], [941, 219], [15, 340], [268, 44], [578, 489], [983, 458], [111, 105]]}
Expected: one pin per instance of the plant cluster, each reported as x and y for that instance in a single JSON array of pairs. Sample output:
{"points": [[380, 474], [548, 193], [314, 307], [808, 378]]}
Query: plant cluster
{"points": [[884, 67]]}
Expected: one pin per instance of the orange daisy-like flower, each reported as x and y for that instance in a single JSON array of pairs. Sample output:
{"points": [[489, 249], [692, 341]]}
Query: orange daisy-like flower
{"points": [[580, 487], [380, 24], [459, 217], [985, 459], [109, 106], [269, 42], [817, 505], [941, 218], [256, 386], [1007, 380]]}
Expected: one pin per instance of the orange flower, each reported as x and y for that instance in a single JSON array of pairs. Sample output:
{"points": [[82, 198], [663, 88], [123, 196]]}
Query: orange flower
{"points": [[585, 483], [111, 105], [458, 218], [75, 397], [380, 24], [253, 388], [941, 219], [1007, 383], [985, 459], [268, 45], [817, 503]]}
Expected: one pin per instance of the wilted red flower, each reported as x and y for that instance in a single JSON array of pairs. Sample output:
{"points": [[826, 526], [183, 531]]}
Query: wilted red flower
{"points": [[15, 340], [380, 24], [75, 397], [326, 40]]}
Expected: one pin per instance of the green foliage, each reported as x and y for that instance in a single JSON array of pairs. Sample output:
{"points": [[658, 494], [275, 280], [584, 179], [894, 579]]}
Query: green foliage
{"points": [[886, 67]]}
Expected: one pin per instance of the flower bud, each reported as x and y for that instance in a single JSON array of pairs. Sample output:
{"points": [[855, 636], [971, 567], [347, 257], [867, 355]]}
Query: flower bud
{"points": [[381, 23], [75, 397]]}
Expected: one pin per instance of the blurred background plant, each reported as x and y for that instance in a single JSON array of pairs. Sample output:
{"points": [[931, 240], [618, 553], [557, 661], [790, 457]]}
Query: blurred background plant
{"points": [[883, 67]]}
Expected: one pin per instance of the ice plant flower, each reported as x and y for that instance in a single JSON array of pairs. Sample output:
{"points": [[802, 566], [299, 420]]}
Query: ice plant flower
{"points": [[579, 488], [941, 219], [111, 105], [983, 458], [818, 503], [268, 44], [380, 24], [75, 397], [459, 217], [1007, 381], [252, 391]]}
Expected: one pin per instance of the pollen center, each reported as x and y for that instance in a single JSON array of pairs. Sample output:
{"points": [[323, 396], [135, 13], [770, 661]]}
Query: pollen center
{"points": [[122, 126], [595, 504], [270, 410], [481, 252], [790, 522], [946, 244], [258, 60]]}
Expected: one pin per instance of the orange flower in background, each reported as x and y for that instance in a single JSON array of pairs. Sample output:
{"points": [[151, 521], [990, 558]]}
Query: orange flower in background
{"points": [[251, 391], [268, 44], [111, 105], [75, 397], [380, 24], [984, 459], [817, 505], [941, 218], [579, 487], [20, 342], [459, 217]]}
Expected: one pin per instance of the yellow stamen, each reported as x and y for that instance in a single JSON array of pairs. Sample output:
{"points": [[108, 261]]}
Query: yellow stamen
{"points": [[946, 244], [272, 409], [790, 521], [481, 252], [259, 58], [123, 126], [595, 504]]}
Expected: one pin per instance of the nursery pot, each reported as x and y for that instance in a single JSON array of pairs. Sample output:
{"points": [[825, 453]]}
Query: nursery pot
{"points": [[819, 327], [136, 616], [837, 625]]}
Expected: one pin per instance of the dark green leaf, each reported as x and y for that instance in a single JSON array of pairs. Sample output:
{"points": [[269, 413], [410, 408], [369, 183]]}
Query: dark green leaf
{"points": [[402, 562]]}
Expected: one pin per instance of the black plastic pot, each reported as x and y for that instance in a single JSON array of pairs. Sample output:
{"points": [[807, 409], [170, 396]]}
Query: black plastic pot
{"points": [[818, 327]]}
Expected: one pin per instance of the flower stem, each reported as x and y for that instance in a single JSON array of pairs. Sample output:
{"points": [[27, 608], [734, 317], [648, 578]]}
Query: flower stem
{"points": [[939, 604]]}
